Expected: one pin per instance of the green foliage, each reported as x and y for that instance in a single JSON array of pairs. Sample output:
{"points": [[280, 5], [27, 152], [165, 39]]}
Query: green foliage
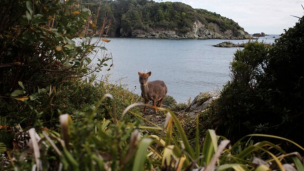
{"points": [[144, 15], [266, 91], [35, 49], [40, 58], [224, 23], [169, 101], [179, 107], [43, 71], [92, 143]]}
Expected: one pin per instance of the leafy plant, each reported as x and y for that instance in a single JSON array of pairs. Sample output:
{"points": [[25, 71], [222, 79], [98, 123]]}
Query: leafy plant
{"points": [[40, 55], [92, 143], [265, 94]]}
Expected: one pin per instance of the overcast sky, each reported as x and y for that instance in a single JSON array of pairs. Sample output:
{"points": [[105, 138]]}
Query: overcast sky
{"points": [[255, 16]]}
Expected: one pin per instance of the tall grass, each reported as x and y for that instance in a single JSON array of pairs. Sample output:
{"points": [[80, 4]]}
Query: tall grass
{"points": [[93, 143]]}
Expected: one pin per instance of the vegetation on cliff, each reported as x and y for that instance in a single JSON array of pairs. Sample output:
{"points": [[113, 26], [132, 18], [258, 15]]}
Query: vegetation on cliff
{"points": [[129, 15]]}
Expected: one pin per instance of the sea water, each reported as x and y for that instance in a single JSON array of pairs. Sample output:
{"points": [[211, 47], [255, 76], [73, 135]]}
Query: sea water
{"points": [[188, 67]]}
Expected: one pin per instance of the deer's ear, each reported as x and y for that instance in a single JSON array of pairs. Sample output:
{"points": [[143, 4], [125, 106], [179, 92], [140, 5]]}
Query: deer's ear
{"points": [[139, 73], [149, 73]]}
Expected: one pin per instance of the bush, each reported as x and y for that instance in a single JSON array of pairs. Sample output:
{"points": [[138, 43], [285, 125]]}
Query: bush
{"points": [[39, 56], [103, 144], [169, 101], [179, 107], [266, 92]]}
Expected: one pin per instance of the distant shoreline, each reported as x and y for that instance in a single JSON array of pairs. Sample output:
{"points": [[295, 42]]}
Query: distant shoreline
{"points": [[178, 38]]}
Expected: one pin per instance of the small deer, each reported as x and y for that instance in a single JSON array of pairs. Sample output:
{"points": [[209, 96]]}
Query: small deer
{"points": [[154, 90]]}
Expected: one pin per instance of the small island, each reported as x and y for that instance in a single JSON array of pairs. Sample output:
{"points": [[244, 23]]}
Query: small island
{"points": [[229, 44], [262, 34]]}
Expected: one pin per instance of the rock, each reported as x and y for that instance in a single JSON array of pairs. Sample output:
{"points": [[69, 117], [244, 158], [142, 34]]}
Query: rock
{"points": [[199, 31], [139, 33], [229, 44], [228, 33], [259, 34], [141, 36], [201, 102]]}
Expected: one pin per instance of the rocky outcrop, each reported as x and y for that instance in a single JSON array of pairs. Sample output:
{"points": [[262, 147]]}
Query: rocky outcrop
{"points": [[201, 102], [259, 34], [229, 44], [164, 34], [199, 31]]}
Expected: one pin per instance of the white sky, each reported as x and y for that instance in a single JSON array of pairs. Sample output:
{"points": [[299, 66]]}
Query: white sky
{"points": [[255, 16]]}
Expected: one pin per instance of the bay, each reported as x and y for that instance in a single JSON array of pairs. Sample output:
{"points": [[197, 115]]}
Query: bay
{"points": [[188, 67]]}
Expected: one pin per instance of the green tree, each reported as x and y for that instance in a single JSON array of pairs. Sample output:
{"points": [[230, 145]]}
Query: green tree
{"points": [[38, 53], [240, 106], [157, 15], [266, 92]]}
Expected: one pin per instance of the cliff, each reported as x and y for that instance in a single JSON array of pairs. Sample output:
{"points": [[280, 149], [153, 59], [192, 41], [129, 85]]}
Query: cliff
{"points": [[198, 31], [173, 20]]}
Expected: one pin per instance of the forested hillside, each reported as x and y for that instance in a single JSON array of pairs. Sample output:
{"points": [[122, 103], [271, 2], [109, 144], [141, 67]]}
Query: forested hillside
{"points": [[149, 19]]}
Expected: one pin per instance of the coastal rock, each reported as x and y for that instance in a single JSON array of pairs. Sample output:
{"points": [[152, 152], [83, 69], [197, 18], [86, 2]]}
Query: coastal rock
{"points": [[259, 34], [229, 44], [139, 33], [199, 31], [201, 102], [228, 33]]}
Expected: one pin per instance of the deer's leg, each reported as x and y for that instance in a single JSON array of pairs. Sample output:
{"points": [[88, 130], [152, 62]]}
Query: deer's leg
{"points": [[146, 102], [157, 103], [160, 102], [154, 105]]}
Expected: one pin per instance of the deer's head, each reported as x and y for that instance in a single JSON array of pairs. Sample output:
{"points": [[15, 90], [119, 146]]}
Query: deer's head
{"points": [[143, 77]]}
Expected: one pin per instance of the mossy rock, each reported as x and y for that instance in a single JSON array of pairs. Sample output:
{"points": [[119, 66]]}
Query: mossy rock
{"points": [[200, 99]]}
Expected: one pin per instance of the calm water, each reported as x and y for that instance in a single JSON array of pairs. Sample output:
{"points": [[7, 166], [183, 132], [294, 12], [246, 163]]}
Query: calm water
{"points": [[188, 67]]}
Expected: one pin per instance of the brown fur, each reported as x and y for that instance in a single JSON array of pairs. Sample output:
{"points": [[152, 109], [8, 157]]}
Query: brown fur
{"points": [[154, 90]]}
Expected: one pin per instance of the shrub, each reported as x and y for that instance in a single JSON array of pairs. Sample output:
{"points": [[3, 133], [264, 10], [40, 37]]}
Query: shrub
{"points": [[266, 91], [94, 144], [39, 56], [169, 101]]}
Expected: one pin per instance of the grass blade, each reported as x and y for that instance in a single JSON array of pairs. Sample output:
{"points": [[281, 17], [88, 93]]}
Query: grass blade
{"points": [[262, 168], [2, 147], [211, 164], [167, 155], [159, 140], [169, 128], [65, 131], [141, 154], [270, 136], [197, 136], [298, 163], [70, 159], [209, 146], [35, 146], [129, 107], [182, 134], [52, 143], [280, 165], [237, 167], [248, 151], [137, 115]]}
